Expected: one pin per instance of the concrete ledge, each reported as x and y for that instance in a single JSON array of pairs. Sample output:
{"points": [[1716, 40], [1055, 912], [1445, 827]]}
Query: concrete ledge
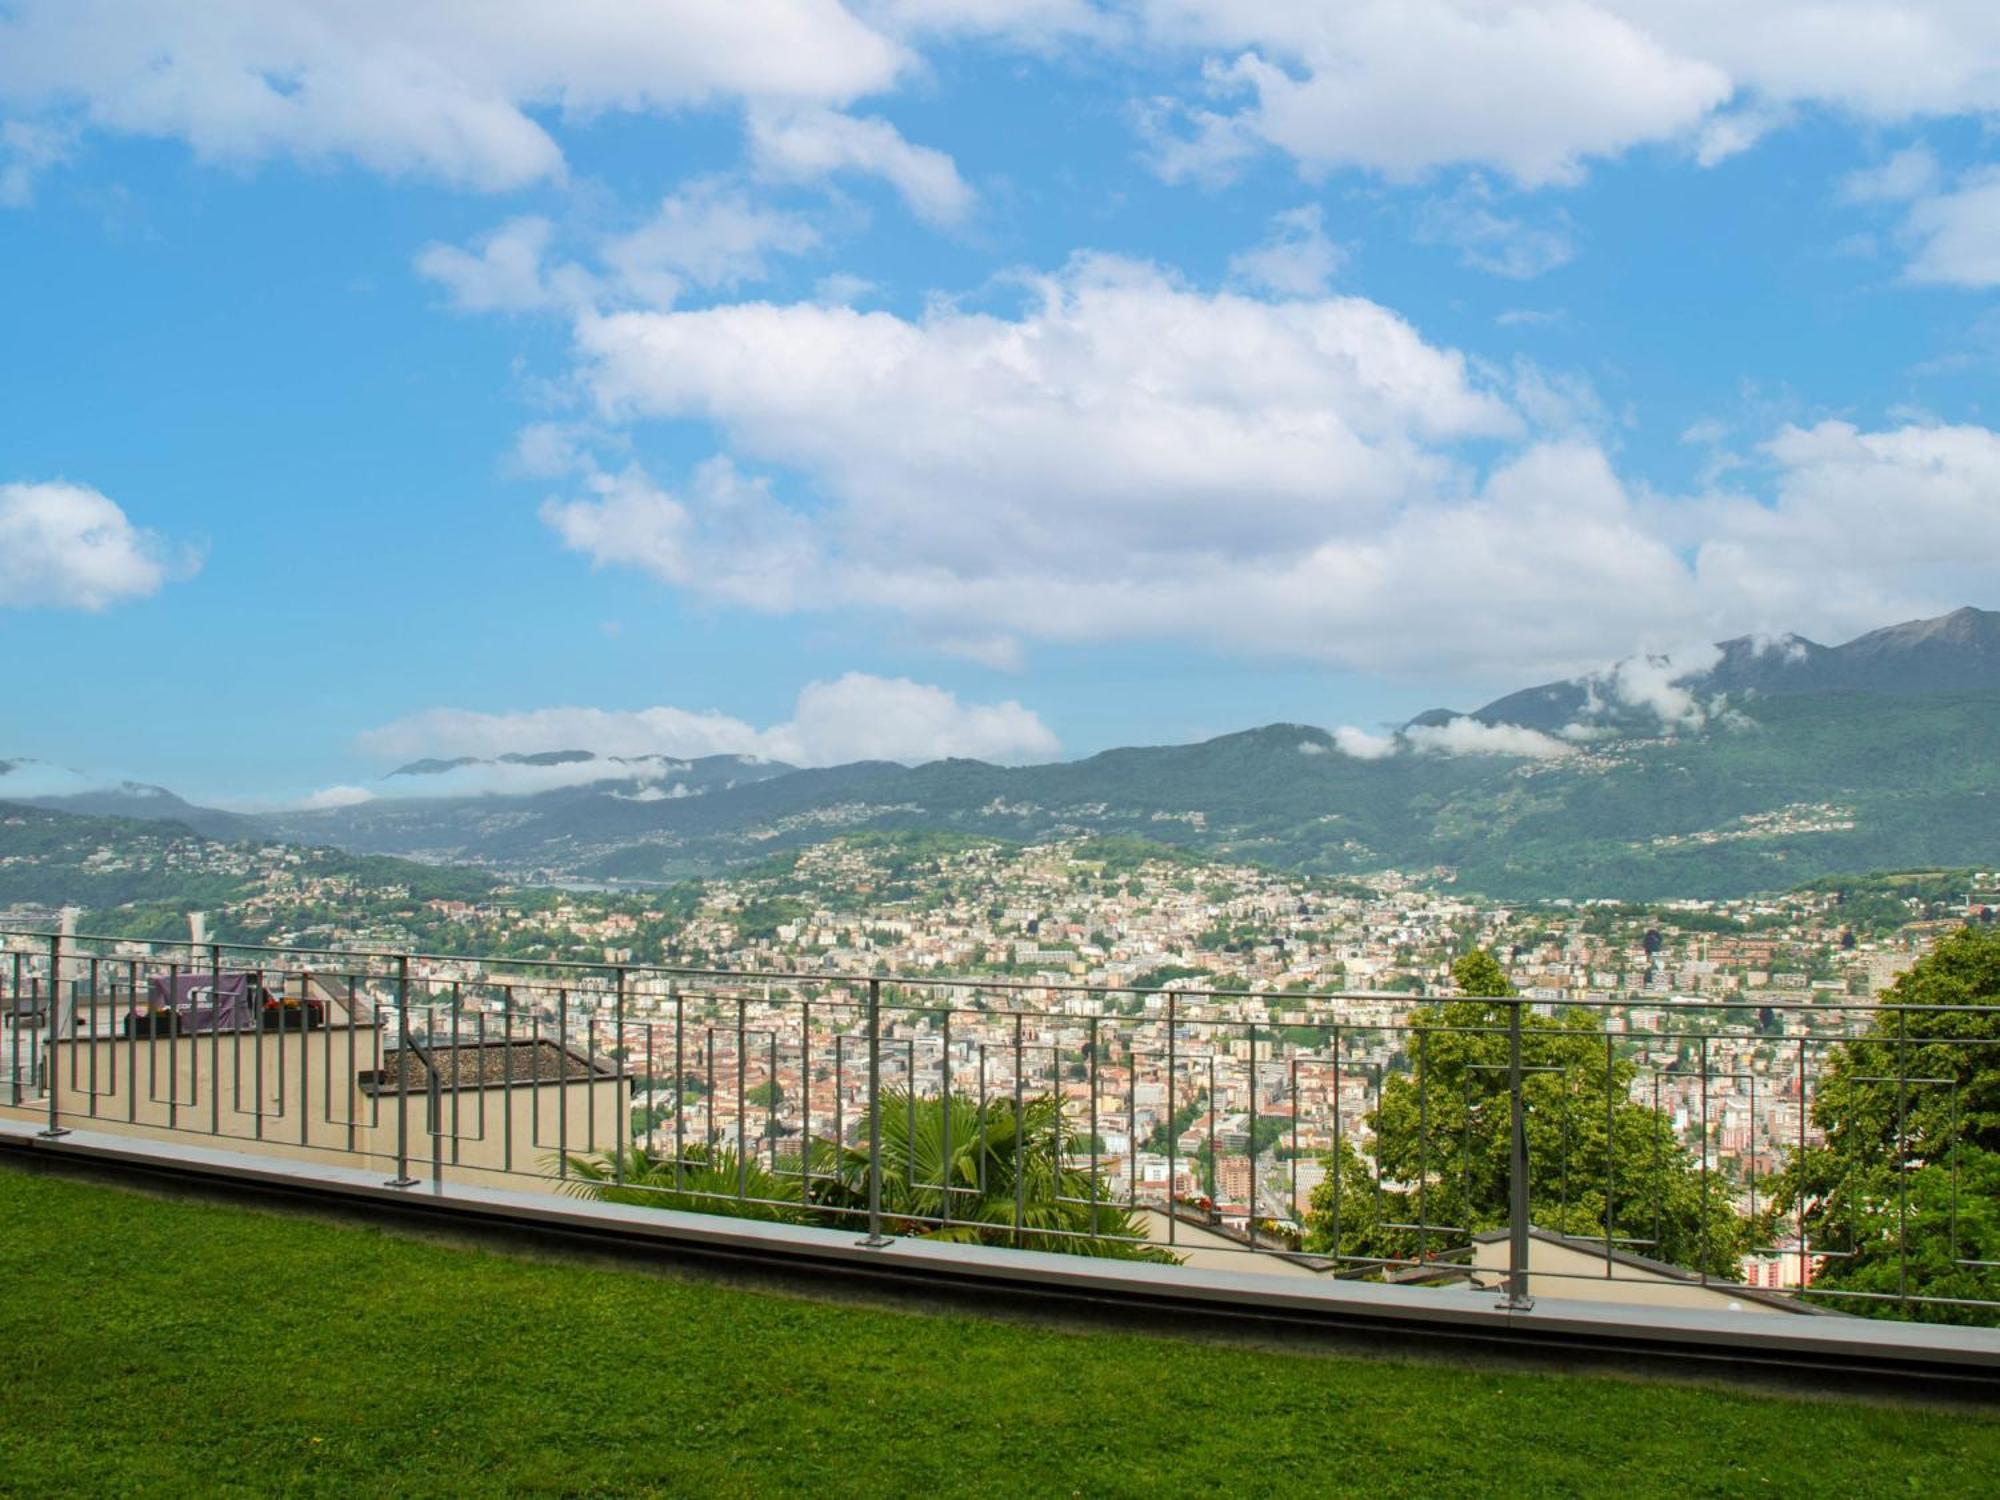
{"points": [[1812, 1353]]}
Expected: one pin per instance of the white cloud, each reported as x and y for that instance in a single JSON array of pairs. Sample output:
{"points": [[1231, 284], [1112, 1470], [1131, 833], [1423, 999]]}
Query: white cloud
{"points": [[1467, 736], [67, 546], [1401, 86], [450, 89], [1362, 745], [1909, 173], [1951, 229], [1864, 527], [1121, 422], [808, 145], [853, 717], [1127, 457], [724, 537], [1298, 260], [1492, 241], [504, 271], [27, 150], [1535, 89], [1454, 737], [1657, 682], [1957, 233], [709, 234]]}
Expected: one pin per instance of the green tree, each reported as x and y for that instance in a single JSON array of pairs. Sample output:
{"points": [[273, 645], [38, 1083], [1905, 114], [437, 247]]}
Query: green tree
{"points": [[1598, 1162], [1903, 1196]]}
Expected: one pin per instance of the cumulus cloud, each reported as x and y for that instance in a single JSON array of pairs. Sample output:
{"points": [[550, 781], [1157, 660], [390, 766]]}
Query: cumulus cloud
{"points": [[1863, 527], [723, 537], [807, 145], [1362, 745], [1658, 683], [1402, 86], [66, 546], [503, 271], [852, 717], [1467, 736], [1130, 457], [455, 90], [1298, 260], [1460, 736], [709, 234], [1122, 421], [1956, 234], [1536, 89]]}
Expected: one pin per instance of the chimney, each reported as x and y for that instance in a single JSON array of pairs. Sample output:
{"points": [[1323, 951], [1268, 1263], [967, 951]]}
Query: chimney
{"points": [[197, 933]]}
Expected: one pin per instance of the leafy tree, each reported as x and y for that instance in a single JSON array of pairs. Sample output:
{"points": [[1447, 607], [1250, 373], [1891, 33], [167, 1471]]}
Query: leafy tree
{"points": [[1443, 1132], [1905, 1190]]}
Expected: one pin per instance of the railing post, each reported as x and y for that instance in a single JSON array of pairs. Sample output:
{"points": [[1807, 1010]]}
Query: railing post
{"points": [[1516, 1298], [876, 1238], [402, 1179], [53, 1050], [622, 1141]]}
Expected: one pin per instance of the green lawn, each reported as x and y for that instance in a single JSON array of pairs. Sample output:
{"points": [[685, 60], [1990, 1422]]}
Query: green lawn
{"points": [[165, 1346]]}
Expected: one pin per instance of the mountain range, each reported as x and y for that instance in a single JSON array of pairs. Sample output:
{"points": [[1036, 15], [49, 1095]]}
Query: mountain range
{"points": [[1756, 764]]}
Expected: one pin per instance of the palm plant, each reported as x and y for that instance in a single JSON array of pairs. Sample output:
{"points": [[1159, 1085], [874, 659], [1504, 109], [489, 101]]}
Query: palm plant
{"points": [[703, 1181], [957, 1169]]}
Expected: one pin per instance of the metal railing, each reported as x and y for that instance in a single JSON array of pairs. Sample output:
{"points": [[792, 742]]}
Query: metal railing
{"points": [[1626, 1148]]}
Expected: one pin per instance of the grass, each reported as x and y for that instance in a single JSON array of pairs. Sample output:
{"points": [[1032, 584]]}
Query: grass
{"points": [[166, 1346]]}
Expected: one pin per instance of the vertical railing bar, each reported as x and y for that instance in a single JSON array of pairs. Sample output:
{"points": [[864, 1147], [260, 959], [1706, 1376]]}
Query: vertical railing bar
{"points": [[1423, 1143], [1610, 1150], [945, 1110], [1334, 1196], [1020, 1137], [1902, 1159], [1173, 1142], [1702, 1223], [52, 1067], [562, 1076], [1517, 1298], [618, 1146], [215, 1041], [876, 1239], [402, 1179], [680, 1083], [1094, 1142], [742, 1154]]}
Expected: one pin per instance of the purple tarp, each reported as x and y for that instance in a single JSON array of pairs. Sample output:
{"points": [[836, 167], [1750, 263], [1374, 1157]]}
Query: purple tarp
{"points": [[206, 1001]]}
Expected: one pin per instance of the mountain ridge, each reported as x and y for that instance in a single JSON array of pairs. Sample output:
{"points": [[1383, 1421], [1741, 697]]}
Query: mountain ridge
{"points": [[1713, 783]]}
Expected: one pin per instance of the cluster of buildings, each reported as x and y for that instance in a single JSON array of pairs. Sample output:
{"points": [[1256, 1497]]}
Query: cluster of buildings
{"points": [[1215, 1031]]}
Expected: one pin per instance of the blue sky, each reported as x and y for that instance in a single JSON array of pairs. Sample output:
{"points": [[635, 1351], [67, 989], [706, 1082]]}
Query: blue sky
{"points": [[999, 377]]}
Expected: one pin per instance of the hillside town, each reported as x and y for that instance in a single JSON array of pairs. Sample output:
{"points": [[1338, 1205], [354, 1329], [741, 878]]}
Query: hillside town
{"points": [[1216, 1032]]}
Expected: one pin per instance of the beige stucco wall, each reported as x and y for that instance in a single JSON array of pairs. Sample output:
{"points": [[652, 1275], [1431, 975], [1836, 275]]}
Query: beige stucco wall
{"points": [[1562, 1271], [297, 1095]]}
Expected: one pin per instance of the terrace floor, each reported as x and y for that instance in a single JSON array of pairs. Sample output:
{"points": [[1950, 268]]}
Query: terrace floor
{"points": [[165, 1345]]}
